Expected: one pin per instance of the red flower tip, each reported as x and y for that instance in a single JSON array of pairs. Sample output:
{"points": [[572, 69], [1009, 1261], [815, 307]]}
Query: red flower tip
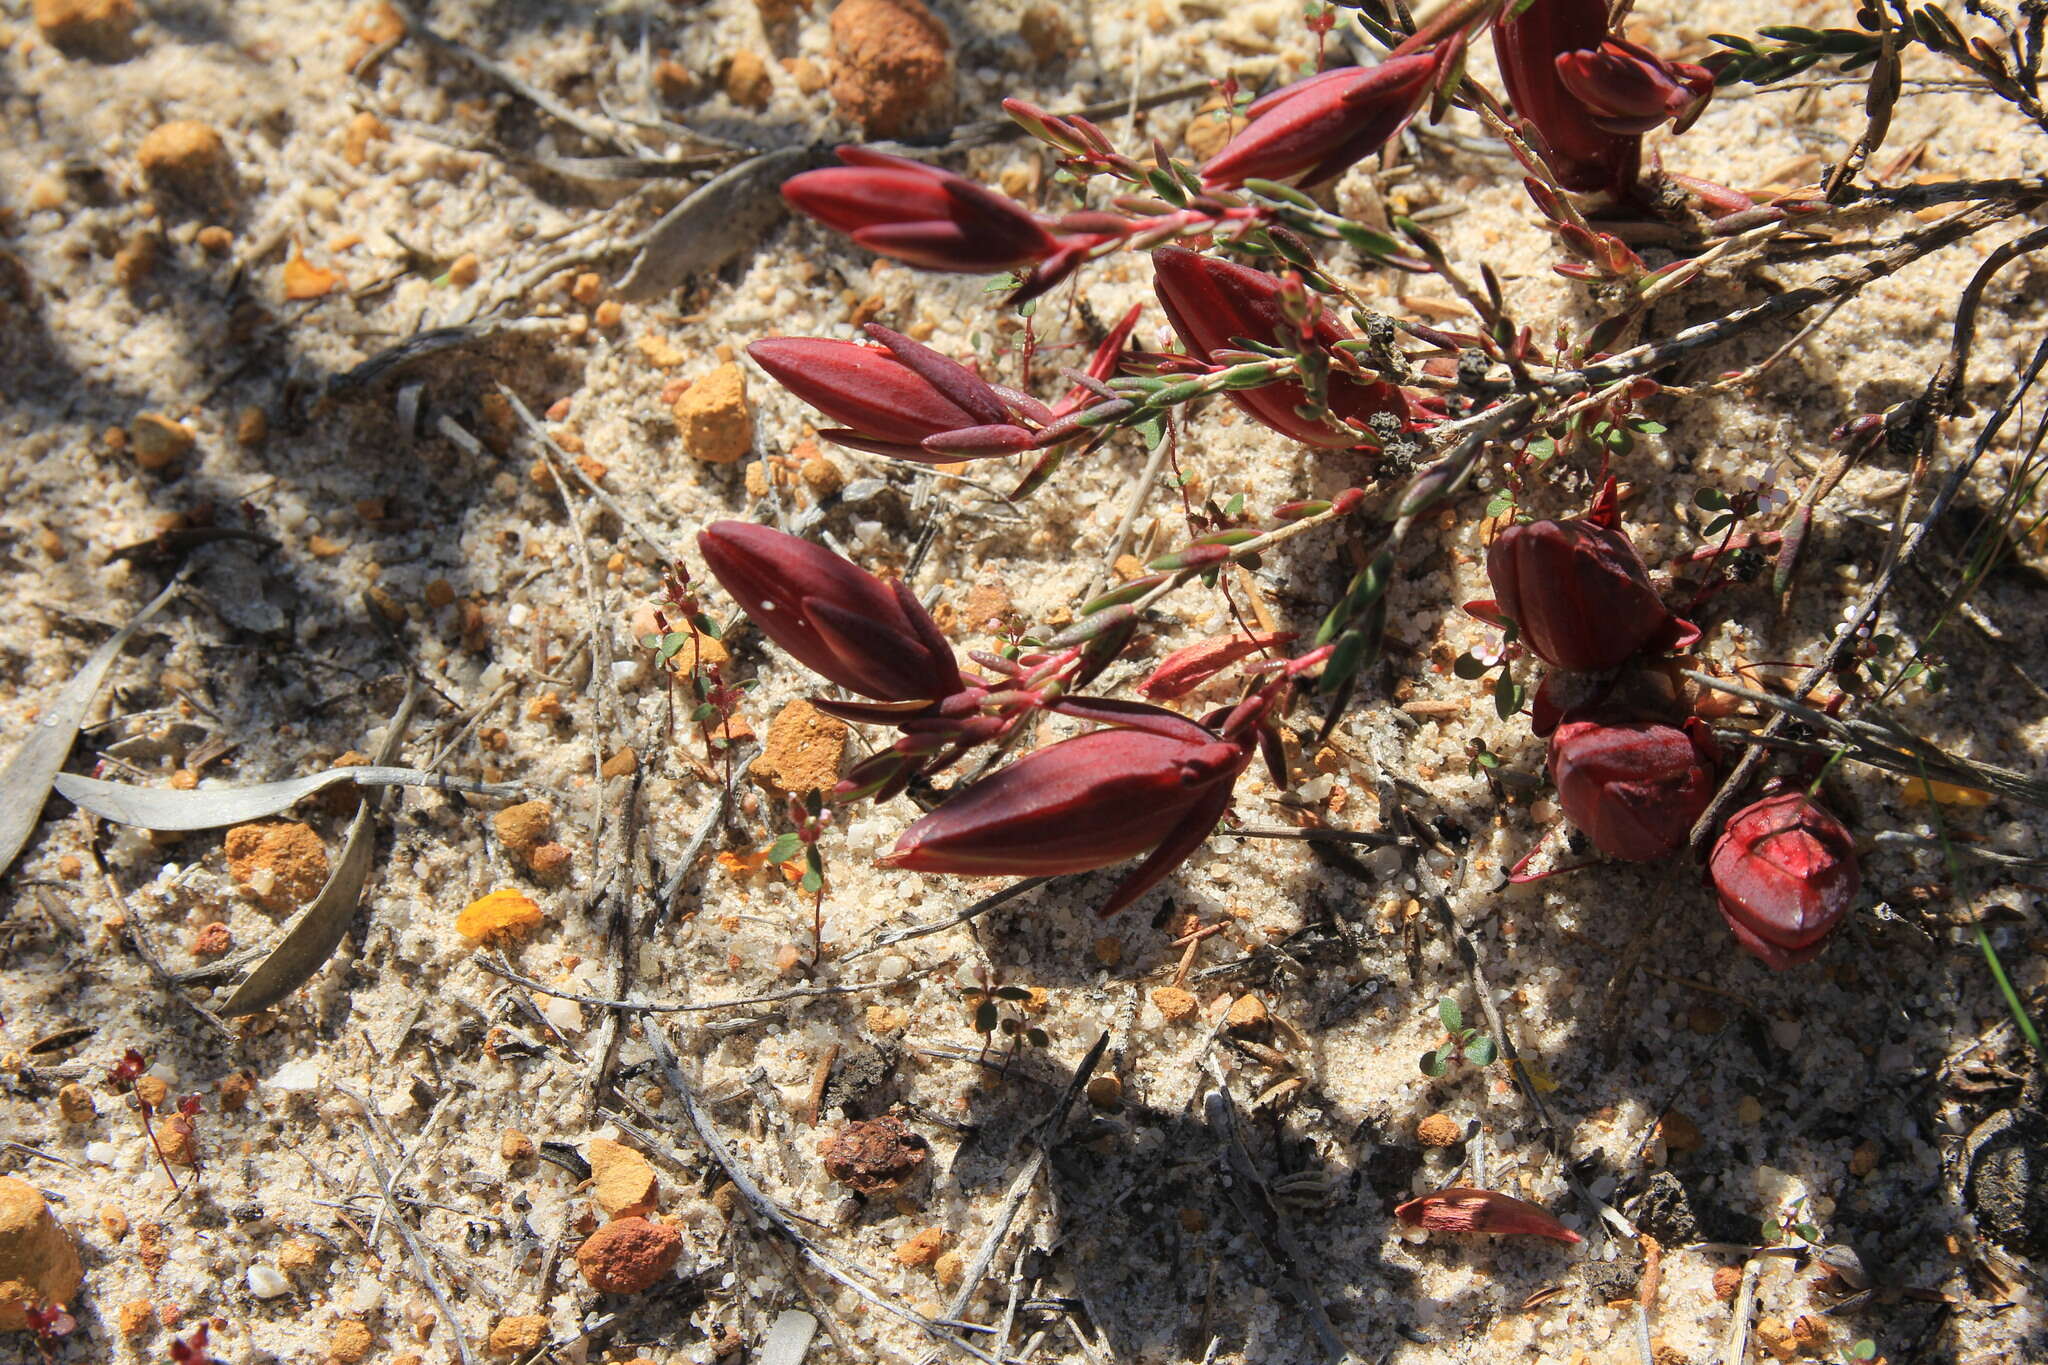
{"points": [[900, 398], [835, 618], [920, 214], [1184, 670], [1785, 870], [1634, 788], [1318, 127], [1211, 302], [1578, 594], [1155, 782], [1628, 89], [1464, 1209], [1585, 155]]}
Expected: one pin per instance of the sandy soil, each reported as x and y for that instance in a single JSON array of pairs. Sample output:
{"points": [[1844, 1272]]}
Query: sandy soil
{"points": [[392, 550]]}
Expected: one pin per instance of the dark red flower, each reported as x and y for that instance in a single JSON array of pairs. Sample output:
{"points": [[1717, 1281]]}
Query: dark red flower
{"points": [[900, 398], [835, 618], [1315, 128], [1785, 871], [1634, 788], [1629, 90], [1157, 782], [921, 214], [1578, 594], [1213, 302], [1585, 155]]}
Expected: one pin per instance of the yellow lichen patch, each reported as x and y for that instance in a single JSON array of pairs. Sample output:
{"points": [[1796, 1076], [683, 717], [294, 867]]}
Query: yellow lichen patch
{"points": [[499, 916]]}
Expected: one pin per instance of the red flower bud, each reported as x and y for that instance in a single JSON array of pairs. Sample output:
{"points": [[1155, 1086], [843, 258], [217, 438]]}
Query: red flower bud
{"points": [[921, 214], [1636, 788], [1585, 155], [900, 399], [1464, 1209], [1628, 89], [1157, 782], [1578, 594], [835, 618], [1786, 873], [1211, 302], [1318, 127]]}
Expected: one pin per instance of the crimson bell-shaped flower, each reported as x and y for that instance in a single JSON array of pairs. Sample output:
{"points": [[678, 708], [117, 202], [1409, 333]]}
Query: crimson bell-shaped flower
{"points": [[1213, 302], [1634, 788], [900, 398], [1785, 871], [928, 217], [1630, 89], [835, 618], [1157, 782], [1578, 594], [1585, 155], [1318, 127]]}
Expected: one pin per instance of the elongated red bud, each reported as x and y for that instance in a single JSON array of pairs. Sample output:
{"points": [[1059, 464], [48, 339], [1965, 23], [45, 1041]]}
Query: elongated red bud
{"points": [[1318, 127], [901, 399], [921, 214], [1211, 302], [1464, 1209], [1786, 874], [835, 618], [1087, 802]]}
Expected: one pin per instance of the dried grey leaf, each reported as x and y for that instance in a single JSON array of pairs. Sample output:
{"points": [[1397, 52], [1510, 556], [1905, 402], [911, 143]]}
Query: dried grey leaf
{"points": [[212, 807], [314, 935], [718, 220], [28, 775], [320, 927]]}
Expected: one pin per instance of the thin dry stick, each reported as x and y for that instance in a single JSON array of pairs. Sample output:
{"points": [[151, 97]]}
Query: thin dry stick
{"points": [[1866, 611], [498, 967], [1736, 1344], [421, 1263], [144, 945], [772, 1216]]}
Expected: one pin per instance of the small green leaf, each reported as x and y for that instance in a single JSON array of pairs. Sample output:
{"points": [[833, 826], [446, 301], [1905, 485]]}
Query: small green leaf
{"points": [[1507, 699], [785, 848], [1470, 667], [1710, 499], [1480, 1051], [985, 1015], [814, 881], [1433, 1064], [1012, 993], [1448, 1011], [1037, 1037]]}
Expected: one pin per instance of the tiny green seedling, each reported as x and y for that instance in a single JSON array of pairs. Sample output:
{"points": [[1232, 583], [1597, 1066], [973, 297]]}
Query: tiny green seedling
{"points": [[1465, 1044]]}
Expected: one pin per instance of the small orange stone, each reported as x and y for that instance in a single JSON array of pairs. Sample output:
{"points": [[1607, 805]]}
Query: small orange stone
{"points": [[499, 916]]}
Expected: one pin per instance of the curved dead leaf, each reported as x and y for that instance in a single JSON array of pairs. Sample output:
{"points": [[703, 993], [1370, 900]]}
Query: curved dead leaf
{"points": [[320, 927], [166, 808], [28, 775], [718, 220], [1464, 1209]]}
